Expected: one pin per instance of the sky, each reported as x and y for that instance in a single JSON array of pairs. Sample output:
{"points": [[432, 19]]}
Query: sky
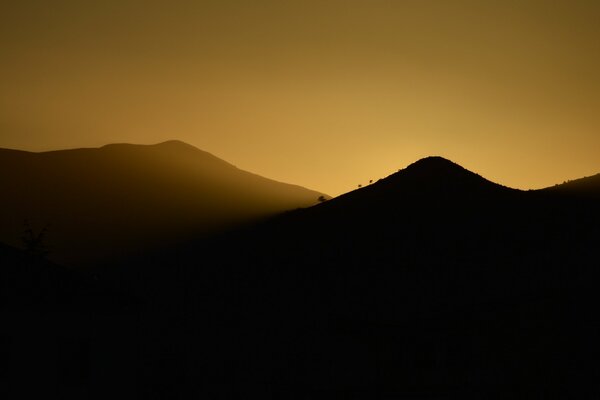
{"points": [[326, 94]]}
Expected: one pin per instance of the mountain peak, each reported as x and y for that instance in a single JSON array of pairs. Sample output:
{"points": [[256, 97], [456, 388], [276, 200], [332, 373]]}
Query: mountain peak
{"points": [[434, 163], [437, 174], [175, 144], [170, 149], [436, 168], [169, 144]]}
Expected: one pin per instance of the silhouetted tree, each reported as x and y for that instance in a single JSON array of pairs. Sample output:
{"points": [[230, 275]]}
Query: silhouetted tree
{"points": [[322, 199], [359, 185], [34, 242]]}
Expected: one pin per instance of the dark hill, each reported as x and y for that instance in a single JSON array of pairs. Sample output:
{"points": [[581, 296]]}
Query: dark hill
{"points": [[438, 173], [57, 325], [431, 283], [584, 187], [100, 202], [431, 179], [432, 192]]}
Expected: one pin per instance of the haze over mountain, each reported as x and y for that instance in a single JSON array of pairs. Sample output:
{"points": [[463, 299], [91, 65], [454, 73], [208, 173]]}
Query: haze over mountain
{"points": [[98, 202]]}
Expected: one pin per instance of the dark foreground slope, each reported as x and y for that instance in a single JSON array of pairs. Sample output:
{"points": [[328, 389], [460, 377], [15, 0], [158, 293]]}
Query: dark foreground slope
{"points": [[432, 283], [64, 334], [127, 198]]}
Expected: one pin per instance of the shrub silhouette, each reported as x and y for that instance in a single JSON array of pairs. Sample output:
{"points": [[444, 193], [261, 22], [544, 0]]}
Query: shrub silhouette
{"points": [[34, 241]]}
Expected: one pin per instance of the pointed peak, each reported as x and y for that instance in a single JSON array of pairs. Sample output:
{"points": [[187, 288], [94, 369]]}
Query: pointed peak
{"points": [[438, 173]]}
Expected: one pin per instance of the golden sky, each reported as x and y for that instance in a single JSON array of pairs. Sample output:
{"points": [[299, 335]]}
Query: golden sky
{"points": [[326, 94]]}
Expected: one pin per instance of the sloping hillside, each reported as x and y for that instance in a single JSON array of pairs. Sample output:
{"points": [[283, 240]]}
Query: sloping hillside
{"points": [[431, 283], [583, 187], [97, 203]]}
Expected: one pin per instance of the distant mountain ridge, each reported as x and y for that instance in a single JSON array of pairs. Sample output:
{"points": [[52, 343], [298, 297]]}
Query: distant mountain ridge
{"points": [[98, 202]]}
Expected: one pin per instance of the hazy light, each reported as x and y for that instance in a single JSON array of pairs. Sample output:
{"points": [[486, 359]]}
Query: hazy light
{"points": [[323, 94]]}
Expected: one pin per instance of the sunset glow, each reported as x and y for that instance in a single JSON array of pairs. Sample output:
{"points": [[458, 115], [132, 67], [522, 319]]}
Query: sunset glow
{"points": [[324, 94]]}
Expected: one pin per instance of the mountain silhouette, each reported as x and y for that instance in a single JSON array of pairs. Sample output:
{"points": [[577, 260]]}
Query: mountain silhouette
{"points": [[426, 180], [432, 192], [438, 173], [100, 202], [431, 283]]}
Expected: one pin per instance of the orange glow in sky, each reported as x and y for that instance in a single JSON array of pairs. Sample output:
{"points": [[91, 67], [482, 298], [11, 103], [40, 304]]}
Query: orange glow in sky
{"points": [[324, 94]]}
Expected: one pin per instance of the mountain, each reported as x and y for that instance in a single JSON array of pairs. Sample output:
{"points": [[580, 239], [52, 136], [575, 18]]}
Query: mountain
{"points": [[100, 202], [431, 179], [436, 174], [431, 283]]}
